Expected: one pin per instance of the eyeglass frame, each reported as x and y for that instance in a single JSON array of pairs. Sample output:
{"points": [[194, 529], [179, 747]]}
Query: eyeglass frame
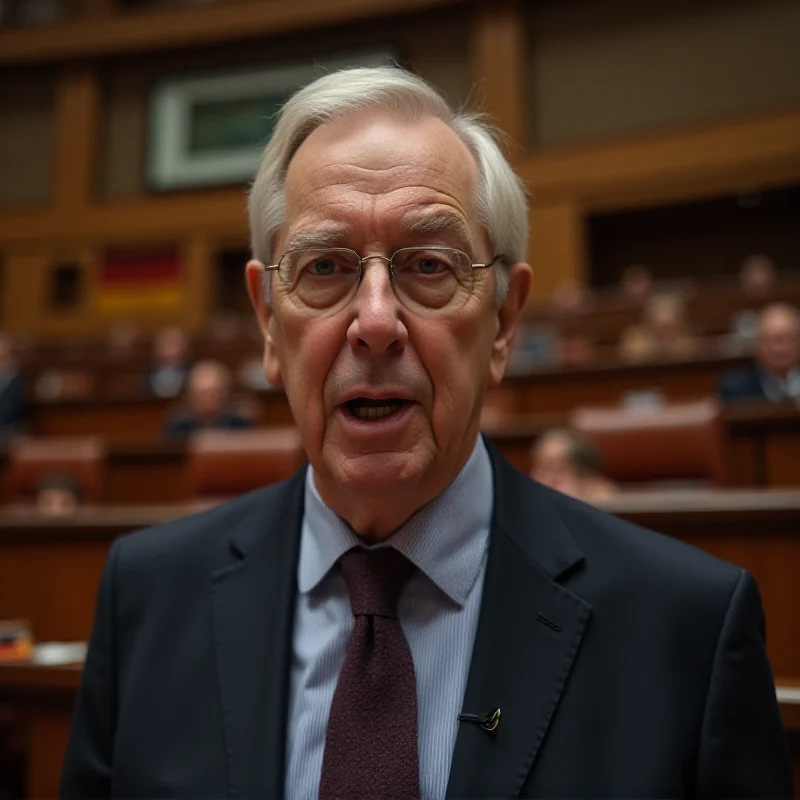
{"points": [[388, 259]]}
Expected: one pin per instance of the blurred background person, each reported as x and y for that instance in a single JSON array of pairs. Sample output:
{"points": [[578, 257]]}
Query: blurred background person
{"points": [[565, 461], [757, 276], [775, 374], [123, 340], [170, 365], [636, 283], [208, 397], [58, 495], [664, 332], [12, 390]]}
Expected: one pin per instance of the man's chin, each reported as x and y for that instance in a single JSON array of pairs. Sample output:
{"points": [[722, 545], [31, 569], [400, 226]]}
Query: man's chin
{"points": [[377, 473]]}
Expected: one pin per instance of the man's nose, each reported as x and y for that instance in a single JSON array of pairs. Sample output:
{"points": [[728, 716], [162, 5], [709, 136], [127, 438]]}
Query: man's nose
{"points": [[376, 324]]}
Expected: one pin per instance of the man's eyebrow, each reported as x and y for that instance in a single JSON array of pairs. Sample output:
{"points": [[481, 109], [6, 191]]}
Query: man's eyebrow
{"points": [[314, 238], [445, 222]]}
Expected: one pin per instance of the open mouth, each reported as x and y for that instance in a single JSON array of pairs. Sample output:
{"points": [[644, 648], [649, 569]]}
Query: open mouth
{"points": [[367, 409]]}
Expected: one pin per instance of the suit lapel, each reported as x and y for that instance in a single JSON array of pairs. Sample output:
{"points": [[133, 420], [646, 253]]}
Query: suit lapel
{"points": [[529, 631], [253, 605]]}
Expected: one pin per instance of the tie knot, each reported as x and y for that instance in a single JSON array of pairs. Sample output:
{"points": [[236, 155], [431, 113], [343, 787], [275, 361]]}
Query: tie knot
{"points": [[375, 579]]}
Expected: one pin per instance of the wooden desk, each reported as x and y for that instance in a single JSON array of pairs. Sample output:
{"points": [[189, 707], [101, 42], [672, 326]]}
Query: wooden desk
{"points": [[607, 383], [759, 531], [788, 690], [545, 391], [762, 442], [49, 570], [762, 451], [123, 417], [47, 695]]}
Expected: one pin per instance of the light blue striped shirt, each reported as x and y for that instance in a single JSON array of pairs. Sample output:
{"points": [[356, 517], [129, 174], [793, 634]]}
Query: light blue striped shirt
{"points": [[448, 541]]}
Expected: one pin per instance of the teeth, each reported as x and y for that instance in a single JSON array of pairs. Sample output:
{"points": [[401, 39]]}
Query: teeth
{"points": [[374, 412]]}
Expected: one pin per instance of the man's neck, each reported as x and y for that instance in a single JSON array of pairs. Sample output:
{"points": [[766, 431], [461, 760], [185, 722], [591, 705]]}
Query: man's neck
{"points": [[376, 517]]}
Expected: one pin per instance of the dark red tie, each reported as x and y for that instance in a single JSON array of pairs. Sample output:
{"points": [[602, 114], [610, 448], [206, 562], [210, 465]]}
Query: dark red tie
{"points": [[371, 742]]}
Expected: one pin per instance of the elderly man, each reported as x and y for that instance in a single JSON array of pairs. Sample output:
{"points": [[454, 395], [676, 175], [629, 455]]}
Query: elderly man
{"points": [[410, 616], [775, 375]]}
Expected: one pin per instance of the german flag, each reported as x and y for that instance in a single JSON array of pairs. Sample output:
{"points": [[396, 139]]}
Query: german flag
{"points": [[140, 281]]}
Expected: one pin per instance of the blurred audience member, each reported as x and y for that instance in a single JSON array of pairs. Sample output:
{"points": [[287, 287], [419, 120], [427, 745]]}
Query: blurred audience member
{"points": [[568, 463], [208, 399], [170, 367], [225, 327], [12, 389], [775, 375], [58, 495], [569, 299], [250, 374], [663, 334], [577, 349], [123, 340], [757, 276], [636, 283]]}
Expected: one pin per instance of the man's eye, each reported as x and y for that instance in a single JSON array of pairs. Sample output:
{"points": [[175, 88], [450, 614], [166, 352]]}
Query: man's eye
{"points": [[428, 265], [322, 266]]}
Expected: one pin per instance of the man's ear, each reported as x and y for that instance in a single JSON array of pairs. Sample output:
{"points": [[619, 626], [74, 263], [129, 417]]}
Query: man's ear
{"points": [[520, 277], [256, 277]]}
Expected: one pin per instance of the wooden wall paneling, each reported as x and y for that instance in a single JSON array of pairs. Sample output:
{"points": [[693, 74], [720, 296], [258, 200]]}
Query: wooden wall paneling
{"points": [[28, 274], [214, 210], [45, 695], [77, 124], [743, 460], [736, 152], [557, 249], [47, 739], [498, 67], [51, 583], [94, 9], [161, 29], [781, 462], [766, 557], [146, 477], [24, 276], [27, 133], [197, 256]]}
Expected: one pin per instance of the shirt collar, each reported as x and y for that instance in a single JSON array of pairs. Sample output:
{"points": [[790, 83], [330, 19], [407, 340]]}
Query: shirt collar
{"points": [[447, 539], [778, 388]]}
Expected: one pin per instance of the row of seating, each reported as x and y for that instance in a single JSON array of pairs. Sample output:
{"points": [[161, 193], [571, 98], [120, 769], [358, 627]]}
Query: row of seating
{"points": [[220, 464], [677, 443]]}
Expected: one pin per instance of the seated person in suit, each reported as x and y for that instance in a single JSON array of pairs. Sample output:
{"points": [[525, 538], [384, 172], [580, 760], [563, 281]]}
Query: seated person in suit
{"points": [[408, 615], [58, 495], [565, 461], [208, 400], [12, 390], [775, 374], [170, 367]]}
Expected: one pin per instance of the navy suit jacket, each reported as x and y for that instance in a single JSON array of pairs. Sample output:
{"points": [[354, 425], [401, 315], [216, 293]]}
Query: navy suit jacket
{"points": [[625, 663], [12, 403], [742, 384]]}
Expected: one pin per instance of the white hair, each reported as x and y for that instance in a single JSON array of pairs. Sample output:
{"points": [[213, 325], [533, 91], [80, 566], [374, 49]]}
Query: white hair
{"points": [[500, 201]]}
